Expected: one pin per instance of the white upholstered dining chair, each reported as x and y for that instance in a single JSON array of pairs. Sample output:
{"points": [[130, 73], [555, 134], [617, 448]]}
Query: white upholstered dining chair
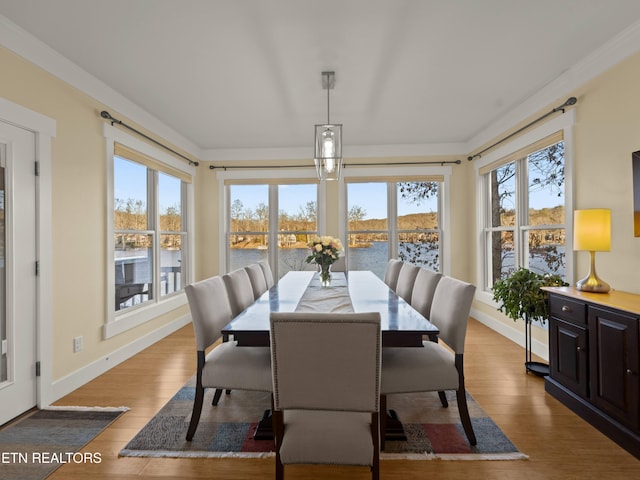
{"points": [[423, 290], [391, 273], [326, 372], [435, 368], [227, 366], [406, 279], [239, 290], [258, 281], [268, 273]]}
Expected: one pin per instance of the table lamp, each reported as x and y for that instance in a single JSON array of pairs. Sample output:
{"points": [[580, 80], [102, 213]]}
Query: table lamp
{"points": [[592, 232]]}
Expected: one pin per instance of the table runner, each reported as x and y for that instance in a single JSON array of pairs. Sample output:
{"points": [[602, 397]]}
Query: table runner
{"points": [[332, 299]]}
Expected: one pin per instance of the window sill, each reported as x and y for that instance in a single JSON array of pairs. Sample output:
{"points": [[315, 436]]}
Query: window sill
{"points": [[125, 321]]}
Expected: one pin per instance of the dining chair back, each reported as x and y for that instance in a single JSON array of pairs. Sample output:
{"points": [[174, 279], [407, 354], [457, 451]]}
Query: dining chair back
{"points": [[268, 273], [391, 273], [435, 368], [406, 280], [258, 282], [326, 377], [239, 290], [423, 290], [226, 366]]}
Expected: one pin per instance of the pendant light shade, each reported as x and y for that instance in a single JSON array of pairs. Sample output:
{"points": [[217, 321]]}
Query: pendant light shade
{"points": [[328, 140]]}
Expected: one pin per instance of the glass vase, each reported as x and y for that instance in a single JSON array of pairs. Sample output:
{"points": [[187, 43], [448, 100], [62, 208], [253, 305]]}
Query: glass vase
{"points": [[325, 275]]}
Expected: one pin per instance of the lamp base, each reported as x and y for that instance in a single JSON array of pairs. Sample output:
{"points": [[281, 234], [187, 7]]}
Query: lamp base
{"points": [[592, 283]]}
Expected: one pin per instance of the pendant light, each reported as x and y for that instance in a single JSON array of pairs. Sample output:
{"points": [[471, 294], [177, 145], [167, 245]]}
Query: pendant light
{"points": [[328, 139]]}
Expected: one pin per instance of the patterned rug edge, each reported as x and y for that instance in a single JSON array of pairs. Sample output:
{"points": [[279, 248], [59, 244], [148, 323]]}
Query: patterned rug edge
{"points": [[383, 456]]}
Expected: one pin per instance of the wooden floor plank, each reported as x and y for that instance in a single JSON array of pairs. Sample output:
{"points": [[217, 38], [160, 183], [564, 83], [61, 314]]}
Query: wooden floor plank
{"points": [[560, 445]]}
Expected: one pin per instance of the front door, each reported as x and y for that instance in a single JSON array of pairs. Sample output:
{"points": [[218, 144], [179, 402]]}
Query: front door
{"points": [[18, 391]]}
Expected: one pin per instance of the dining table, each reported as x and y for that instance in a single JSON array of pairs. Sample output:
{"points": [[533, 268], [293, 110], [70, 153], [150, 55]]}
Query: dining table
{"points": [[351, 291]]}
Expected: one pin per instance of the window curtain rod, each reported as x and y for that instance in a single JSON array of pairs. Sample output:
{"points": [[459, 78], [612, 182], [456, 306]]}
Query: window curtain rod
{"points": [[441, 163], [570, 101], [106, 115]]}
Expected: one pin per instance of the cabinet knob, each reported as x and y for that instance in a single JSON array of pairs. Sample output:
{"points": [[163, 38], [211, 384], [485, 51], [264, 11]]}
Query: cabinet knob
{"points": [[629, 372], [579, 349], [566, 309]]}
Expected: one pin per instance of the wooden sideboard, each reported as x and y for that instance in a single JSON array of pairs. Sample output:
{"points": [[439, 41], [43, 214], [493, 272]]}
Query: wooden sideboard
{"points": [[594, 360]]}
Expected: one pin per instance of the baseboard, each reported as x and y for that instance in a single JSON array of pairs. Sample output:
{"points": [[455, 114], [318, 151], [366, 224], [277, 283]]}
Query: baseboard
{"points": [[75, 380], [537, 347]]}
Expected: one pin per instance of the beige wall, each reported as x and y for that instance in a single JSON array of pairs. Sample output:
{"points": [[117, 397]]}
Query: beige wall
{"points": [[606, 132], [78, 214]]}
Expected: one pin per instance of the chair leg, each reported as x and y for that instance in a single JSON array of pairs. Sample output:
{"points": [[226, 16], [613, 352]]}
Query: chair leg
{"points": [[195, 415], [383, 420], [443, 399], [375, 433], [461, 396], [463, 409], [216, 397]]}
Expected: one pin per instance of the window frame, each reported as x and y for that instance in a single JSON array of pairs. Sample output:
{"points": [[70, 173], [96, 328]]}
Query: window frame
{"points": [[271, 177], [392, 176], [562, 123], [119, 321]]}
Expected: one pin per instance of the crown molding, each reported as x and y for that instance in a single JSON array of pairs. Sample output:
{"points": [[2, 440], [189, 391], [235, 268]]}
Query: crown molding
{"points": [[39, 53], [621, 47]]}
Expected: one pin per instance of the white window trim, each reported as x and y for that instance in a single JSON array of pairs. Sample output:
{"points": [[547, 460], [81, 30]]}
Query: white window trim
{"points": [[564, 122], [267, 175], [119, 322], [382, 174]]}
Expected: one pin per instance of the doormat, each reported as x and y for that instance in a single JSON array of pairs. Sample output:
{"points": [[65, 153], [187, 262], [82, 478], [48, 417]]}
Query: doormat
{"points": [[35, 446]]}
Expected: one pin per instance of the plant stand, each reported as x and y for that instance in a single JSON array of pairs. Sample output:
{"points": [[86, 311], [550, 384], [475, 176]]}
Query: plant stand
{"points": [[537, 368]]}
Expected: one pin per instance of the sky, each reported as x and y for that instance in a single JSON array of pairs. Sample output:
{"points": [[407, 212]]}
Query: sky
{"points": [[372, 197]]}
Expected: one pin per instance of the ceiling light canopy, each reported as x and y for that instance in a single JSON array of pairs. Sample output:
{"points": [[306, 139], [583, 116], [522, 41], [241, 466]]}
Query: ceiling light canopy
{"points": [[328, 139]]}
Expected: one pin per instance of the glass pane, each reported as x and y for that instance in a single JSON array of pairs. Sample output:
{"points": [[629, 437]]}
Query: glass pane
{"points": [[417, 205], [367, 208], [247, 249], [3, 279], [170, 263], [249, 208], [547, 250], [502, 258], [130, 195], [297, 208], [133, 269], [503, 195], [170, 201], [292, 252], [420, 249], [372, 254], [546, 186]]}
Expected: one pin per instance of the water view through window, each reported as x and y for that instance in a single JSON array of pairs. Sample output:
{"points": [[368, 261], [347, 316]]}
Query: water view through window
{"points": [[411, 228]]}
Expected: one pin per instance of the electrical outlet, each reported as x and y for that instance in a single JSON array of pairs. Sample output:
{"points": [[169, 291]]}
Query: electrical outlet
{"points": [[77, 344], [4, 348]]}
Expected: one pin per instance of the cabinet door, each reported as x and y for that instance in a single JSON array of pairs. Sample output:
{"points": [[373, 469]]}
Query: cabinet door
{"points": [[568, 355], [615, 364]]}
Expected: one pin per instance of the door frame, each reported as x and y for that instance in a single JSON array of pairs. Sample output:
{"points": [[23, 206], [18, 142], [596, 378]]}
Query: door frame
{"points": [[44, 129]]}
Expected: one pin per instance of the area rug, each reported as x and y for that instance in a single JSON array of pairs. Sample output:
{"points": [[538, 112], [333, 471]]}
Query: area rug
{"points": [[433, 432], [36, 445]]}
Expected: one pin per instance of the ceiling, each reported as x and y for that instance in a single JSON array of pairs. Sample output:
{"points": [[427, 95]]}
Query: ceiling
{"points": [[246, 74]]}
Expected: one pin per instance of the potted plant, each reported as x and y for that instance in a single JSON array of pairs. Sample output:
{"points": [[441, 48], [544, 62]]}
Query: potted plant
{"points": [[520, 297]]}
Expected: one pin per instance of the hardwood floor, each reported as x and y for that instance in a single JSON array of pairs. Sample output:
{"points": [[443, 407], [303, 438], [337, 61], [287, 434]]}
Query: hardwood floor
{"points": [[560, 445]]}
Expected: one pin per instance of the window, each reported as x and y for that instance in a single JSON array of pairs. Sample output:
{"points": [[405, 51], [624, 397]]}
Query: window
{"points": [[148, 231], [141, 237], [393, 219], [525, 219], [274, 221]]}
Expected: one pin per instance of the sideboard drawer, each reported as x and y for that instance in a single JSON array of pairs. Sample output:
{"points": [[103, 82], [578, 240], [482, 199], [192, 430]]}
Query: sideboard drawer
{"points": [[568, 310]]}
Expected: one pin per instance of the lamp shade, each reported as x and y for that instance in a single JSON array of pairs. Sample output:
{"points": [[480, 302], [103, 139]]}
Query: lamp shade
{"points": [[592, 230]]}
